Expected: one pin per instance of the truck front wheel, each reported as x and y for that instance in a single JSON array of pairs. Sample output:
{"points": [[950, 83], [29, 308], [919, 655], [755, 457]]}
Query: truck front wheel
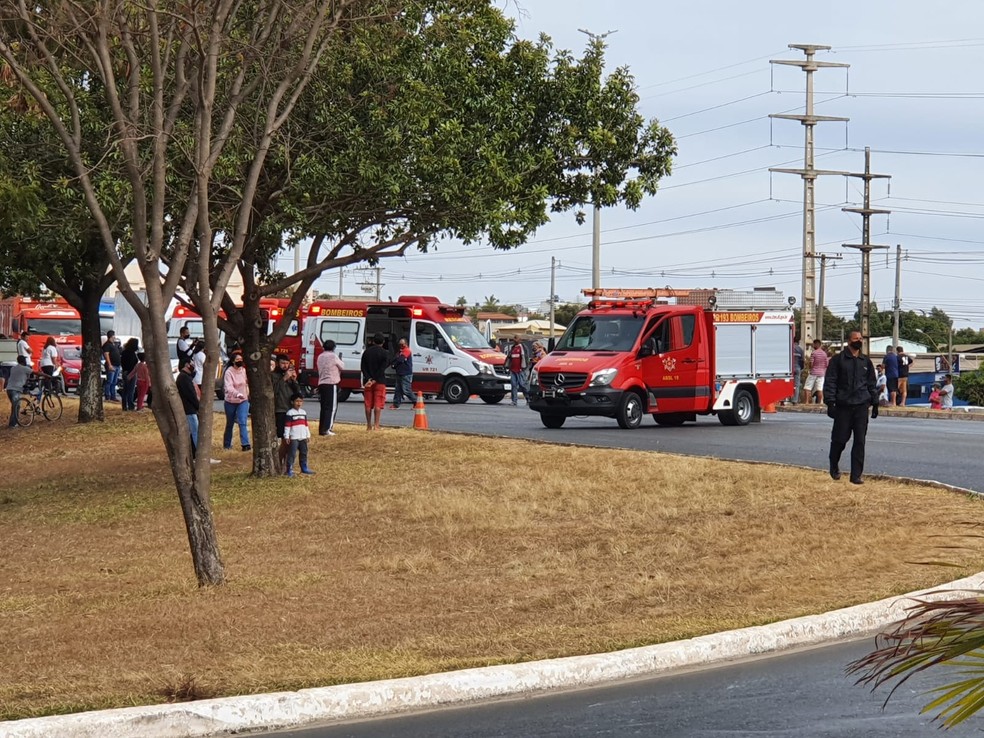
{"points": [[552, 421], [494, 398], [630, 411], [455, 391], [344, 394]]}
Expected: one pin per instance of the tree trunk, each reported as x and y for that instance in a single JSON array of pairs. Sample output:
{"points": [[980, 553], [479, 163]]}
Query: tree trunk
{"points": [[257, 352], [90, 383], [192, 474]]}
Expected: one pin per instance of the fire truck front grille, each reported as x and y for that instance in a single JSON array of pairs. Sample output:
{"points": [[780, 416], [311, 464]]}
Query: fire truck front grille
{"points": [[502, 371], [566, 380]]}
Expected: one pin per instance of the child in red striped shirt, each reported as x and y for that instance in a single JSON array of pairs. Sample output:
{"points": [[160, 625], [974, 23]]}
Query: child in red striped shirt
{"points": [[297, 433]]}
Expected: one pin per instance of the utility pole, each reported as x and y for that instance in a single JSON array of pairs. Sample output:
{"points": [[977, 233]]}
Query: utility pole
{"points": [[897, 303], [368, 286], [809, 173], [596, 222], [379, 284], [341, 272], [866, 247], [820, 301], [553, 296]]}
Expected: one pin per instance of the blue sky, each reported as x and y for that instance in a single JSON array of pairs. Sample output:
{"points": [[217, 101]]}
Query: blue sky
{"points": [[913, 94]]}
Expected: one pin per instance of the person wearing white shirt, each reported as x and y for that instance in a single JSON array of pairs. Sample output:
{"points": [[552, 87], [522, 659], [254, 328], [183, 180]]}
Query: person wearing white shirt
{"points": [[24, 348], [49, 357], [946, 393]]}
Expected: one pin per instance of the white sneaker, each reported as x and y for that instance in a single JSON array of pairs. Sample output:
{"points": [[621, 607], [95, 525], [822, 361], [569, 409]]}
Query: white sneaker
{"points": [[332, 433]]}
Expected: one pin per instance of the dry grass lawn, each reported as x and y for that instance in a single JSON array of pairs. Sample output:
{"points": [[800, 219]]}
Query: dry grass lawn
{"points": [[414, 552]]}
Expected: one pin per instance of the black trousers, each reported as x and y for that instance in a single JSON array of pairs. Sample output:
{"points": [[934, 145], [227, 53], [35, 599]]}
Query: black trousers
{"points": [[328, 394], [849, 420]]}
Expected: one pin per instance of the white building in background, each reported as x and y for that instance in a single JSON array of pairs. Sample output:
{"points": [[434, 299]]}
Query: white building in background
{"points": [[136, 281]]}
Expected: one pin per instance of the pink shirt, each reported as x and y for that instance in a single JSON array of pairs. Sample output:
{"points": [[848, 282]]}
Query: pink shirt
{"points": [[818, 363], [235, 385], [329, 368]]}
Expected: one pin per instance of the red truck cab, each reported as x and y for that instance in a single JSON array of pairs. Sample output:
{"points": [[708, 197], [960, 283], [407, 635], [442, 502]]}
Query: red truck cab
{"points": [[625, 358]]}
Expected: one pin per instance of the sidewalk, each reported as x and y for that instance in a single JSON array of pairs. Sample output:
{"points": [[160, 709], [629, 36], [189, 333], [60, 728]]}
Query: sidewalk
{"points": [[958, 413]]}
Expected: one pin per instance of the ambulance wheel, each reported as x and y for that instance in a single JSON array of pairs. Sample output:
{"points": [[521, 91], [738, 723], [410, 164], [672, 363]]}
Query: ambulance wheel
{"points": [[630, 411], [344, 394], [669, 419], [494, 399], [455, 391], [742, 409], [552, 421]]}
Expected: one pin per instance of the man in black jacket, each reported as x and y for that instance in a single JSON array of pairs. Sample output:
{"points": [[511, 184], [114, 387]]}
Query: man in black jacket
{"points": [[849, 389], [189, 399]]}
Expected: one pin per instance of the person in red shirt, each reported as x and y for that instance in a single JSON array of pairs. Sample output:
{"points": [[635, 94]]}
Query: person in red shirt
{"points": [[518, 362]]}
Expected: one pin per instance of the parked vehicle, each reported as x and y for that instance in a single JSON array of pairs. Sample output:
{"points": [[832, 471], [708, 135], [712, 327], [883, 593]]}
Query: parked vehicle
{"points": [[715, 352], [451, 357]]}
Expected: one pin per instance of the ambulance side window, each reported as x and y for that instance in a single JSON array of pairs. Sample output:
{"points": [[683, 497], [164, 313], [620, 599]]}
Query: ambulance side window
{"points": [[429, 337], [342, 332], [426, 335]]}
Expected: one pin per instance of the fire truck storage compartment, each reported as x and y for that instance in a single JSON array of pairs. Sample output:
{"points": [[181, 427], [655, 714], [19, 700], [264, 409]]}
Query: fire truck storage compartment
{"points": [[761, 350]]}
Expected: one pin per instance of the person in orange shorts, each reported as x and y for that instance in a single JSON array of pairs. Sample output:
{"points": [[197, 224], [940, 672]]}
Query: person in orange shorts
{"points": [[374, 362]]}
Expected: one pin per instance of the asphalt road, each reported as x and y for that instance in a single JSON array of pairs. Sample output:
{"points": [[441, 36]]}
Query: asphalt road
{"points": [[802, 694], [795, 695], [942, 450]]}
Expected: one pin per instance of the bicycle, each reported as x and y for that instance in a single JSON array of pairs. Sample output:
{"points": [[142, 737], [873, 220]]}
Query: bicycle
{"points": [[47, 401]]}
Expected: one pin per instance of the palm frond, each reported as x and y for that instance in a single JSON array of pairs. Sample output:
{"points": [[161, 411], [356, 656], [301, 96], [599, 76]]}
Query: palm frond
{"points": [[932, 633]]}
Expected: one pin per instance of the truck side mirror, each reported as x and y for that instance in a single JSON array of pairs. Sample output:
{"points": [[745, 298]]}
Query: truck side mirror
{"points": [[648, 348]]}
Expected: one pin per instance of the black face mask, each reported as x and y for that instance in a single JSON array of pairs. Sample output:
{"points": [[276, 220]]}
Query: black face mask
{"points": [[856, 345], [237, 363]]}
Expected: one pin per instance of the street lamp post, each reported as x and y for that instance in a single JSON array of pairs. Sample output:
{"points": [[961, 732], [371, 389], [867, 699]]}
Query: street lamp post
{"points": [[949, 354]]}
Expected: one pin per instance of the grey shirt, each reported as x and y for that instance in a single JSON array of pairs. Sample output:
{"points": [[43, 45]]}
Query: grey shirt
{"points": [[18, 377]]}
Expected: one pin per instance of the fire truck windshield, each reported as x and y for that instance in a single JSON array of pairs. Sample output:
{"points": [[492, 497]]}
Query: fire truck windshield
{"points": [[465, 335], [54, 326], [601, 333]]}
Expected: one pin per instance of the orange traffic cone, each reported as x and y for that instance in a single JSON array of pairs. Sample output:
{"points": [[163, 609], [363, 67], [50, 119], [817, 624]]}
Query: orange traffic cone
{"points": [[419, 413], [770, 408]]}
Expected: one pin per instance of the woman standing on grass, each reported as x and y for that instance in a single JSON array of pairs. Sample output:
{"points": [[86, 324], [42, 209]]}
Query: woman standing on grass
{"points": [[128, 363], [236, 394], [49, 357]]}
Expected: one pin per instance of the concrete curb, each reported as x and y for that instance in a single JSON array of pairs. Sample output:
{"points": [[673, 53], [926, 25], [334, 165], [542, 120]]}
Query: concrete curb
{"points": [[351, 701], [957, 413]]}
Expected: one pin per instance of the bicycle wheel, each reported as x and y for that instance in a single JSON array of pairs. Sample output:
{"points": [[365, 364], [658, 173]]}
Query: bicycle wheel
{"points": [[51, 406], [25, 412]]}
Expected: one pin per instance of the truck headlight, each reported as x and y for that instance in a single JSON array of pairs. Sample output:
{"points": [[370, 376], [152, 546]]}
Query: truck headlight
{"points": [[71, 370], [603, 377], [482, 368], [534, 377]]}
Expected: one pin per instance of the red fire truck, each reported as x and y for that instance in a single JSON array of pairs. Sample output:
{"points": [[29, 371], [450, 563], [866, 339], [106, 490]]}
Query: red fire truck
{"points": [[42, 319], [714, 352], [450, 357]]}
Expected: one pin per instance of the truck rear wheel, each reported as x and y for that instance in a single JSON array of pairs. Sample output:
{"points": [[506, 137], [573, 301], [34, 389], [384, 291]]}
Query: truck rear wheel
{"points": [[742, 409], [494, 399], [344, 394], [630, 411], [455, 391], [552, 421]]}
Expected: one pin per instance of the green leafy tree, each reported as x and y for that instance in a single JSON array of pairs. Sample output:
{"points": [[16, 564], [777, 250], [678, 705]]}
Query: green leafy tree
{"points": [[50, 239], [439, 124], [969, 386], [564, 314], [176, 81]]}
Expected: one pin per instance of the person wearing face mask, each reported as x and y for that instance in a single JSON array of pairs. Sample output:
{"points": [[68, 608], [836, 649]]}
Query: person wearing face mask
{"points": [[850, 389], [236, 394]]}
